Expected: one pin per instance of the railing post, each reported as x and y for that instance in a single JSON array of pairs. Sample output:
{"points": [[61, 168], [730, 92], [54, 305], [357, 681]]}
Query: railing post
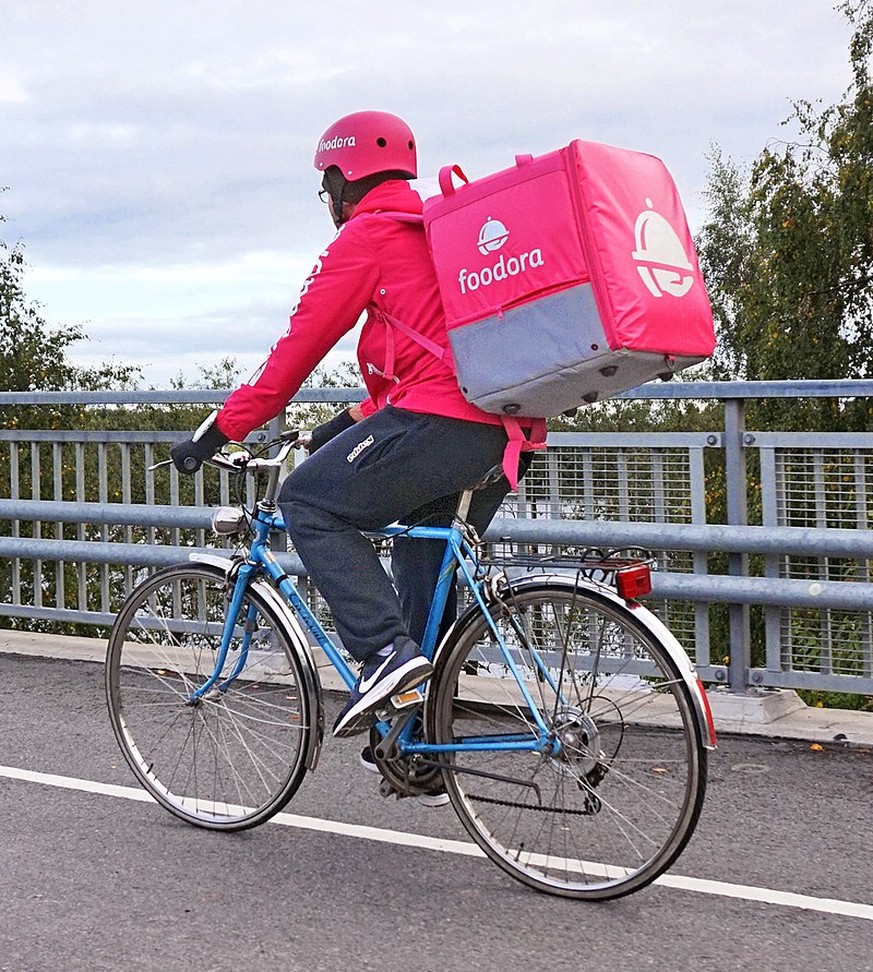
{"points": [[739, 632]]}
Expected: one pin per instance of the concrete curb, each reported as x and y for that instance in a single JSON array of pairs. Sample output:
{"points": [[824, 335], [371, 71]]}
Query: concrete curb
{"points": [[769, 713]]}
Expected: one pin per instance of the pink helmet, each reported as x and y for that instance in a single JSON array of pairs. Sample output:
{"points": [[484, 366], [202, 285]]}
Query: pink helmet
{"points": [[367, 142]]}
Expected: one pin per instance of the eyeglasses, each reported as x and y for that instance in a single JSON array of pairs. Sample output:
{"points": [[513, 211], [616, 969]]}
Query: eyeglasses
{"points": [[323, 195]]}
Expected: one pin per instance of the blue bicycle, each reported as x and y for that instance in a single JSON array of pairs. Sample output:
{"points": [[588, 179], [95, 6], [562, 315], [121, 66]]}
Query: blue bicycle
{"points": [[563, 719]]}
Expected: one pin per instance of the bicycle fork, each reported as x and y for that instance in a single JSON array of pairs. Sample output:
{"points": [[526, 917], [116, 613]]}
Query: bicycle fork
{"points": [[211, 687]]}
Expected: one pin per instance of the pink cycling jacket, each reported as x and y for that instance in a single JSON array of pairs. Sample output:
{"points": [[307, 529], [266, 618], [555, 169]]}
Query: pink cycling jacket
{"points": [[376, 264]]}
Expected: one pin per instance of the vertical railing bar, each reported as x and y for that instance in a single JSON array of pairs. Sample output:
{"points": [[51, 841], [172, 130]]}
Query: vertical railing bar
{"points": [[103, 494], [125, 449], [553, 487], [14, 493], [149, 474], [174, 500], [199, 487], [36, 525], [699, 565], [659, 506], [736, 478], [82, 567], [622, 484], [58, 494], [773, 647], [819, 499], [863, 520]]}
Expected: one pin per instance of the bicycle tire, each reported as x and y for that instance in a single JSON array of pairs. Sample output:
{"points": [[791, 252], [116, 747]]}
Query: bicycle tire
{"points": [[234, 758], [615, 808]]}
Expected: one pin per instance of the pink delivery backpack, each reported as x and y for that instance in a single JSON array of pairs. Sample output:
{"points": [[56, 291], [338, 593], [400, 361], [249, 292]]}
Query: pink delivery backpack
{"points": [[566, 279]]}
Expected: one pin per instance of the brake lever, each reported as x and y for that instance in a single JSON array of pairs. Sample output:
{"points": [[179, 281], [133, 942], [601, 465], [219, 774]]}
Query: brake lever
{"points": [[233, 463]]}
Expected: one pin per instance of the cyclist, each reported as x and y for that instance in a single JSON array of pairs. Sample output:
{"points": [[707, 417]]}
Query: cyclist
{"points": [[407, 451]]}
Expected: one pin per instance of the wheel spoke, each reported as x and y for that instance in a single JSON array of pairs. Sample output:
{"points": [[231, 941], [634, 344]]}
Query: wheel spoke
{"points": [[619, 790], [234, 757]]}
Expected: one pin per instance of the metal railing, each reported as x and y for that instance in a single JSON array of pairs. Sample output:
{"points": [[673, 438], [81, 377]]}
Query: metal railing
{"points": [[784, 601]]}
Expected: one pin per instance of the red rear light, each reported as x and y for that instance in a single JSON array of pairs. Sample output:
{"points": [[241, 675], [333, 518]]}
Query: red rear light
{"points": [[634, 581]]}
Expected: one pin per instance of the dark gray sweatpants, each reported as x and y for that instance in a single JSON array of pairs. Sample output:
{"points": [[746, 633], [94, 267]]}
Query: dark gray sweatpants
{"points": [[394, 465]]}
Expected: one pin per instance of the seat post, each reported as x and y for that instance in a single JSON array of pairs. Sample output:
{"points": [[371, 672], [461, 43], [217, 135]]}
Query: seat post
{"points": [[464, 504]]}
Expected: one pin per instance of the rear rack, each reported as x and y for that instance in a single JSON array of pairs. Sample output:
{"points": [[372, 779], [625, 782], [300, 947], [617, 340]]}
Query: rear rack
{"points": [[628, 571]]}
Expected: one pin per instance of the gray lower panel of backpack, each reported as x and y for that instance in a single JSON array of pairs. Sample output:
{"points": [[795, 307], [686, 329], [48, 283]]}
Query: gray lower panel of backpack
{"points": [[549, 356]]}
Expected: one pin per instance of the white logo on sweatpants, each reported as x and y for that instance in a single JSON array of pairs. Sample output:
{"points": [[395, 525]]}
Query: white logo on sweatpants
{"points": [[359, 448]]}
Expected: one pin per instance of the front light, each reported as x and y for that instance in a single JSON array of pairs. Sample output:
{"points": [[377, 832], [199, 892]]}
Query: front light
{"points": [[227, 520]]}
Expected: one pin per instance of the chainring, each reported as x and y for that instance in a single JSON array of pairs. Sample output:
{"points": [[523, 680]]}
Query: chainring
{"points": [[405, 774]]}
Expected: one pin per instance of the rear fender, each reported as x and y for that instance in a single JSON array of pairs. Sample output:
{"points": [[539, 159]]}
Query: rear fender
{"points": [[642, 615]]}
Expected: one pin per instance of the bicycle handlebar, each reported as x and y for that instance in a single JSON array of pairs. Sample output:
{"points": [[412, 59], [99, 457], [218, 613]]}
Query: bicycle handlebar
{"points": [[244, 461]]}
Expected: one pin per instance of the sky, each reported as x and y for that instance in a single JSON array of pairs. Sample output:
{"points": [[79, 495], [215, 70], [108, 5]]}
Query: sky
{"points": [[157, 156]]}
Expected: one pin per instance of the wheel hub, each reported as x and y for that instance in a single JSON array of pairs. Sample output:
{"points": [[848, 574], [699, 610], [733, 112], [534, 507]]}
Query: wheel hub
{"points": [[578, 752]]}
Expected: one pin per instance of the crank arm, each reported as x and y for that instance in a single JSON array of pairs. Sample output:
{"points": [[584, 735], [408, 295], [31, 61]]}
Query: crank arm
{"points": [[387, 748]]}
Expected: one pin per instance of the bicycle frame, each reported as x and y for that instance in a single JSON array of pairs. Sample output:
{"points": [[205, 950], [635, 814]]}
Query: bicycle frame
{"points": [[459, 553]]}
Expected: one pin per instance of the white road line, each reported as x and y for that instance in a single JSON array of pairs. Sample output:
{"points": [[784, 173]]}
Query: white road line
{"points": [[788, 899]]}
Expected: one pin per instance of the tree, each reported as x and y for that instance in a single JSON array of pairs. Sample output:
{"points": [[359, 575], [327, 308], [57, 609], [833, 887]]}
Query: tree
{"points": [[787, 250], [33, 357]]}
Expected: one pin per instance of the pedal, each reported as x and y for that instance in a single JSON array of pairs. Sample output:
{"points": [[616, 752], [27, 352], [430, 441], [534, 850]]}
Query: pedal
{"points": [[403, 700]]}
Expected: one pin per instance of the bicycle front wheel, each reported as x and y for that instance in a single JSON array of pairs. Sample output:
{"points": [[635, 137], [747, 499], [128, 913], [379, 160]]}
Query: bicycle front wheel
{"points": [[611, 796], [235, 756]]}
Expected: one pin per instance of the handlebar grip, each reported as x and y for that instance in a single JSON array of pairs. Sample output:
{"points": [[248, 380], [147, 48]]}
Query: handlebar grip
{"points": [[190, 464]]}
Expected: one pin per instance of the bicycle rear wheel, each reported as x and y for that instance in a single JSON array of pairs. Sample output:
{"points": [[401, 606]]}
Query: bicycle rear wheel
{"points": [[615, 799], [233, 758]]}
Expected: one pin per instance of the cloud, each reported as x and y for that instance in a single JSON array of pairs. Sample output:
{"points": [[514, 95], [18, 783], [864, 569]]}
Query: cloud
{"points": [[147, 143]]}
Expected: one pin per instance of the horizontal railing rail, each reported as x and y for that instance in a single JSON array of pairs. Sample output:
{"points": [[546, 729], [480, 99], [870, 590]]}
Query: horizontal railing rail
{"points": [[806, 566]]}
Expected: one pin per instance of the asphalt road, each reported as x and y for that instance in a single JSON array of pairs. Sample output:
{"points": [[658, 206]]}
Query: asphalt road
{"points": [[91, 880]]}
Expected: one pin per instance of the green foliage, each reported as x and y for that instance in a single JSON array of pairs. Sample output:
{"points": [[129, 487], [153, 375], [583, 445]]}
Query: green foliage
{"points": [[640, 415], [787, 251], [33, 357], [308, 416], [836, 700]]}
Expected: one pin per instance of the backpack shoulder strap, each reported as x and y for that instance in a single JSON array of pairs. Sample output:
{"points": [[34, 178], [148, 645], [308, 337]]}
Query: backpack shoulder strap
{"points": [[391, 322], [400, 217], [443, 353]]}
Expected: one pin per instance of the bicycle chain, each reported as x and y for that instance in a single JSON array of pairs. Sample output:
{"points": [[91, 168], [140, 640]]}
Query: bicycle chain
{"points": [[529, 806]]}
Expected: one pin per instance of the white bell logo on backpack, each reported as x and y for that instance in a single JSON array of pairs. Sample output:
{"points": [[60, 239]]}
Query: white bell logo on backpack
{"points": [[664, 264], [492, 236]]}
